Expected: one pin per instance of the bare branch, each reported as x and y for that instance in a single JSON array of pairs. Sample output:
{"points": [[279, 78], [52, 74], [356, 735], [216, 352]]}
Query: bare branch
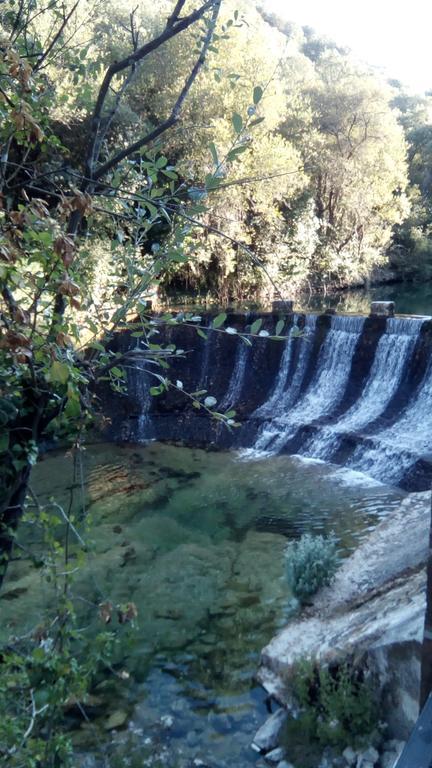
{"points": [[133, 58], [176, 110], [173, 19], [56, 37], [107, 122]]}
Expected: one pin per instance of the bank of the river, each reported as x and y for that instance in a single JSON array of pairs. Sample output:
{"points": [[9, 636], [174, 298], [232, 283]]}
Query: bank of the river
{"points": [[373, 617]]}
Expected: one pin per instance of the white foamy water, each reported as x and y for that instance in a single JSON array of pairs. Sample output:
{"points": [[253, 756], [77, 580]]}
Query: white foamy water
{"points": [[392, 356], [237, 378], [325, 390], [396, 448]]}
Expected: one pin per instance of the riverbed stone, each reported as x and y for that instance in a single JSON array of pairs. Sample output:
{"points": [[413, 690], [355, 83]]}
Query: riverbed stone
{"points": [[267, 737], [367, 758], [350, 756], [275, 756], [116, 720]]}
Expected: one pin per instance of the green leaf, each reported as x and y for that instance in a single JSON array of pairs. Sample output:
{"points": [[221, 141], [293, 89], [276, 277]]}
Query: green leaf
{"points": [[211, 182], [59, 372], [201, 333], [219, 320], [72, 408], [161, 162], [257, 94], [279, 327], [214, 153], [156, 390], [151, 208], [117, 372], [234, 153], [237, 122], [170, 174], [230, 414], [256, 325]]}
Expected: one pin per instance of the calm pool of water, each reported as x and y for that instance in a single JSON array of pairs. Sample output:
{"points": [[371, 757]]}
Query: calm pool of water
{"points": [[197, 541], [409, 298]]}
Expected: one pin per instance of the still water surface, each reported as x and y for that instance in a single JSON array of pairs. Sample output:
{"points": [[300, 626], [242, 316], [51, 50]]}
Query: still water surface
{"points": [[196, 539]]}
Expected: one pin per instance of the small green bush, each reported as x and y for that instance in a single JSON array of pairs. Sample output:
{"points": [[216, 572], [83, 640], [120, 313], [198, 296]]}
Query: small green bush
{"points": [[337, 707], [311, 563]]}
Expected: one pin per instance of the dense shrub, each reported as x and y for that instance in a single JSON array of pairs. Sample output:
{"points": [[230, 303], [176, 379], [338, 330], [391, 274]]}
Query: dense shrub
{"points": [[338, 706], [311, 563]]}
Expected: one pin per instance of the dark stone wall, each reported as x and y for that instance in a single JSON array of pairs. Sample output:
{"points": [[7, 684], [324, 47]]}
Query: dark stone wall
{"points": [[210, 363]]}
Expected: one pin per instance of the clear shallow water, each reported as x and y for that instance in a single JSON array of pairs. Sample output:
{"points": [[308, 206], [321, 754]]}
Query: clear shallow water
{"points": [[197, 541]]}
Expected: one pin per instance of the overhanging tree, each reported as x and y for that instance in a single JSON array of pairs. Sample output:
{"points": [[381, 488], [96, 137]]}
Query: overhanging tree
{"points": [[49, 209]]}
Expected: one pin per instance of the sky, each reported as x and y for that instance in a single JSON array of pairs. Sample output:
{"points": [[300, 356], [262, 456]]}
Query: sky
{"points": [[394, 36]]}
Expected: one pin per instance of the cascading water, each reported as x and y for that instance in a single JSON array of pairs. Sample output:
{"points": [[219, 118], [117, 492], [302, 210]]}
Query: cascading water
{"points": [[393, 353], [285, 391], [344, 391], [138, 385], [324, 391], [396, 448], [235, 386]]}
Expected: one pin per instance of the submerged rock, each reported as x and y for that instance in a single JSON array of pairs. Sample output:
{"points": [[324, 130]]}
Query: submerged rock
{"points": [[267, 737], [275, 756], [373, 615], [350, 756], [368, 757]]}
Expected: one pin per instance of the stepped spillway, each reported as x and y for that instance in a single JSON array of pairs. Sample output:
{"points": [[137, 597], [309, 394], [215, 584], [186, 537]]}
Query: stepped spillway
{"points": [[351, 390]]}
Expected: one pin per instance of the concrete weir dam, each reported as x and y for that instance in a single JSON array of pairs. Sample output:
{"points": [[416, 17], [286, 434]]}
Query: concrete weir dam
{"points": [[354, 391]]}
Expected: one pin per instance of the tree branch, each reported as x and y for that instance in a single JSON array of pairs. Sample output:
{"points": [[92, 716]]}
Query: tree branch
{"points": [[134, 58], [173, 19], [105, 124], [176, 110], [56, 37]]}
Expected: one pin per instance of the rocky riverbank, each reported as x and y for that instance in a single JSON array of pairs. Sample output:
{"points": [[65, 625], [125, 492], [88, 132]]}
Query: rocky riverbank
{"points": [[372, 617]]}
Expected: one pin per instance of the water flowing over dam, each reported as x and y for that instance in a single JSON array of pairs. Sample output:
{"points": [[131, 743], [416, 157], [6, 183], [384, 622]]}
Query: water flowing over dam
{"points": [[355, 391]]}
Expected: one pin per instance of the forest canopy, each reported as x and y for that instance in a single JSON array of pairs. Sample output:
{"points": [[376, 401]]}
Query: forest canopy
{"points": [[322, 176]]}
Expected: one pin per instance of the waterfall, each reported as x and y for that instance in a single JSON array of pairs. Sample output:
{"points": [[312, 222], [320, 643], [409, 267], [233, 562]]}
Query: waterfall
{"points": [[324, 391], [235, 385], [285, 391], [394, 449], [138, 386], [348, 390], [392, 355]]}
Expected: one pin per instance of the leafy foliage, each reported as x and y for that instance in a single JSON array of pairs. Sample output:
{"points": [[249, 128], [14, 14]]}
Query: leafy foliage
{"points": [[337, 706], [311, 563]]}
